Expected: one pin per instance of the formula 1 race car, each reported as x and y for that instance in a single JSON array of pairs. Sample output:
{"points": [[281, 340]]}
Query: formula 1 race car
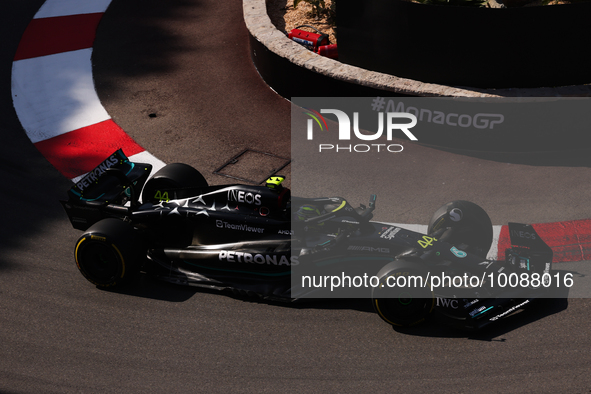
{"points": [[252, 239]]}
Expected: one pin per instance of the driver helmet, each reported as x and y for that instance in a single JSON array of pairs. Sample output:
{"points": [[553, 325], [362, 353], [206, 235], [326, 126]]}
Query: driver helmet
{"points": [[307, 211]]}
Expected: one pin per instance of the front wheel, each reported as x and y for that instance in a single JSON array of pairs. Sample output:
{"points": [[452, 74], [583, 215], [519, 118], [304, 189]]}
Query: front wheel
{"points": [[463, 222], [108, 253], [403, 298]]}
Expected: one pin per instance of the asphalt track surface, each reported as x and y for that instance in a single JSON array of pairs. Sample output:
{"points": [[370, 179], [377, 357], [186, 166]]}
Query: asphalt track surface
{"points": [[188, 63]]}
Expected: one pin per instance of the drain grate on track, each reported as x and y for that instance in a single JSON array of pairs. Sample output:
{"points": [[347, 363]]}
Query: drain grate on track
{"points": [[252, 166]]}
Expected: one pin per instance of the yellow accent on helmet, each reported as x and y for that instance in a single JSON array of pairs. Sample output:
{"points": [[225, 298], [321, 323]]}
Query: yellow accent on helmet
{"points": [[340, 206], [274, 181]]}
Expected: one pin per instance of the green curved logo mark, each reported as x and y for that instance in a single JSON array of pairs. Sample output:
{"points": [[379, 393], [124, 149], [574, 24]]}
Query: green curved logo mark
{"points": [[318, 118]]}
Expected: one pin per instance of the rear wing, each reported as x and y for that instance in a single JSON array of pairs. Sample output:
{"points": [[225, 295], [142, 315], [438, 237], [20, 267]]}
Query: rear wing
{"points": [[105, 190], [528, 248], [525, 236]]}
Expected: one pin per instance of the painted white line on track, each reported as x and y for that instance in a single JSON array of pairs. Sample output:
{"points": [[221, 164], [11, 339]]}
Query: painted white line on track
{"points": [[53, 90], [53, 8], [493, 254]]}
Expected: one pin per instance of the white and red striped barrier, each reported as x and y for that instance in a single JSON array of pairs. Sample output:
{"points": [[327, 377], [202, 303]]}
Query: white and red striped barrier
{"points": [[53, 90]]}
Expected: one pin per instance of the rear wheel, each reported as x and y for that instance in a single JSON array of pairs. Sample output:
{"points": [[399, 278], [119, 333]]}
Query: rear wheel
{"points": [[109, 253], [463, 222], [402, 297], [173, 181]]}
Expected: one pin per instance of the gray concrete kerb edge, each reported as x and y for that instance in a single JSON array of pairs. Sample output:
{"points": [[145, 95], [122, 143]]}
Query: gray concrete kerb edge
{"points": [[260, 27]]}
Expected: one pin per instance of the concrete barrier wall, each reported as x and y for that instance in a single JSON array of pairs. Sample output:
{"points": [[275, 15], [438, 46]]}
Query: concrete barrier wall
{"points": [[271, 52]]}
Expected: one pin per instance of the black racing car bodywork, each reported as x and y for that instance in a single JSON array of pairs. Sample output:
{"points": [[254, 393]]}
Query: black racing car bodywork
{"points": [[251, 239]]}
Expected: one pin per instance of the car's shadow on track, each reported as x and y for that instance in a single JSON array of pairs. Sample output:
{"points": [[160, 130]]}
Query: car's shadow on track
{"points": [[144, 286], [147, 287], [538, 310]]}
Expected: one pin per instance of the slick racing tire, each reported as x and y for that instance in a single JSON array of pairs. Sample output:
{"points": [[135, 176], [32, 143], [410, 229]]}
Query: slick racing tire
{"points": [[463, 222], [400, 298], [172, 176], [109, 253]]}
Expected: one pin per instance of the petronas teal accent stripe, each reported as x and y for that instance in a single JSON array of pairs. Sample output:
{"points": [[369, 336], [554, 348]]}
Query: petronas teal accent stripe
{"points": [[240, 271]]}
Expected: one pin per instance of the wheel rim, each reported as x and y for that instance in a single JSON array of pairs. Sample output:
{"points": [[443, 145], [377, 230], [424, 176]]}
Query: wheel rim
{"points": [[403, 307], [100, 262]]}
